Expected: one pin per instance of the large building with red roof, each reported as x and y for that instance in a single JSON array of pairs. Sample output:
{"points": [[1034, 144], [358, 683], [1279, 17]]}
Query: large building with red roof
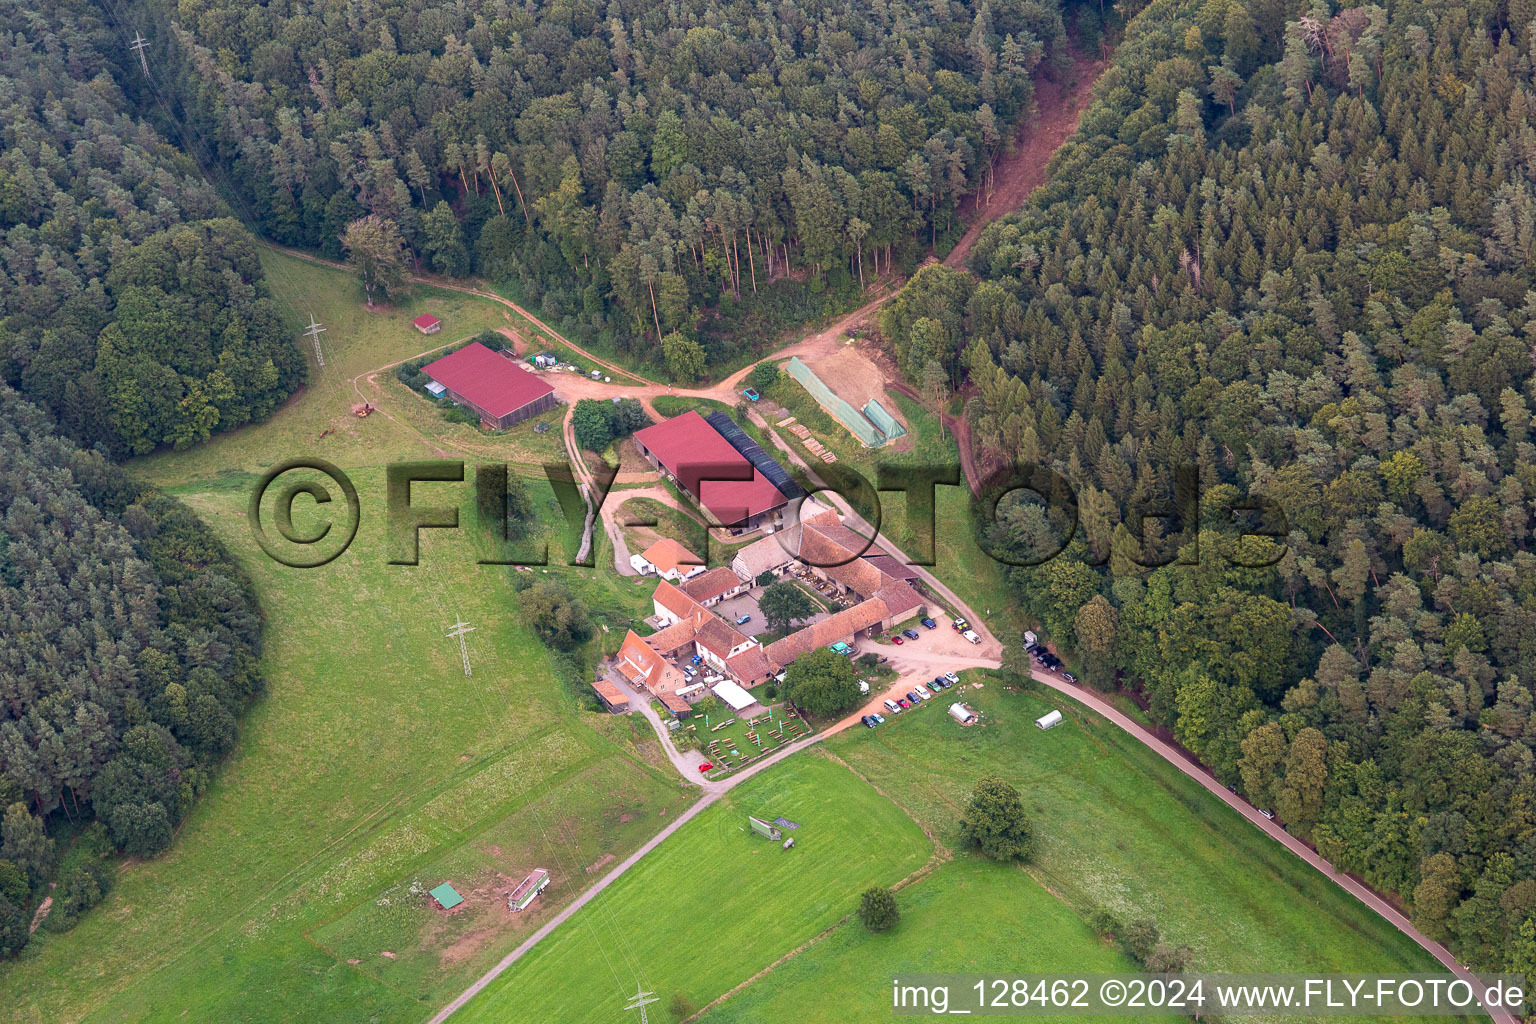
{"points": [[495, 387], [707, 468]]}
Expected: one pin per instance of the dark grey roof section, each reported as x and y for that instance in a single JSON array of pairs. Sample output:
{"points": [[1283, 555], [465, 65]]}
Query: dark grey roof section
{"points": [[753, 453]]}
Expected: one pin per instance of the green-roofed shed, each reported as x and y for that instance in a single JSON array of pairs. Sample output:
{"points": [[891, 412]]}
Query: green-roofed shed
{"points": [[447, 896]]}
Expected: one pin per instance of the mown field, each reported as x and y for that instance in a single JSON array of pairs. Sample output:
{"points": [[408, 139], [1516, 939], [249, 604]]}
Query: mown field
{"points": [[714, 904], [1120, 829], [970, 915], [372, 768]]}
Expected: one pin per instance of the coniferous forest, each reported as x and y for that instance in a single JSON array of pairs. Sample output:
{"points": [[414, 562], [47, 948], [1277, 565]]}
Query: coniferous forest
{"points": [[131, 645], [1292, 245], [131, 306], [628, 164]]}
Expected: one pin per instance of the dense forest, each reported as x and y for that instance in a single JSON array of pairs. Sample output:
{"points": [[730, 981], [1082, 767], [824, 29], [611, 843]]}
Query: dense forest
{"points": [[131, 644], [1293, 246], [629, 165], [130, 306]]}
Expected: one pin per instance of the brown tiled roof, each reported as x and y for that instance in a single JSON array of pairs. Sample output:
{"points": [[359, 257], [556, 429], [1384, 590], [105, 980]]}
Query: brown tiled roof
{"points": [[675, 601], [674, 636], [846, 539], [667, 555], [762, 555], [672, 702], [638, 660], [860, 576], [712, 584], [829, 630], [610, 693], [899, 598], [750, 666], [893, 567], [716, 636]]}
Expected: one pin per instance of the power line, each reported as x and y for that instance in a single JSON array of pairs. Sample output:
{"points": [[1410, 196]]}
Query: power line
{"points": [[459, 630], [139, 43], [313, 334], [640, 1000]]}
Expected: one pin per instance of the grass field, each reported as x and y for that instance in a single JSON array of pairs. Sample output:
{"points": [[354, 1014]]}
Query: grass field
{"points": [[714, 904], [372, 764], [970, 915], [1118, 828]]}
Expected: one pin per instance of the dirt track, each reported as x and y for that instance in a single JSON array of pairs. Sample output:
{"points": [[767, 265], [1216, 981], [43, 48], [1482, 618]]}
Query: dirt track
{"points": [[1059, 105]]}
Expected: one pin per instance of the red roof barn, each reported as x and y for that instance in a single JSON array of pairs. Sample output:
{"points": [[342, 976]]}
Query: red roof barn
{"points": [[695, 455], [428, 324], [502, 392]]}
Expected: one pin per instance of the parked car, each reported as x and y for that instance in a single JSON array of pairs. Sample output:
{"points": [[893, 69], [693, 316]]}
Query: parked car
{"points": [[913, 698], [1268, 814], [1069, 677], [879, 719], [923, 692], [893, 707], [742, 620], [928, 623], [961, 625], [706, 766], [971, 636], [939, 682], [898, 641], [904, 702], [952, 677], [868, 720], [910, 634], [1032, 648]]}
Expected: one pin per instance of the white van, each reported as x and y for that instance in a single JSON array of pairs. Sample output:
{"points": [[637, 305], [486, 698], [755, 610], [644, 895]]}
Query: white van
{"points": [[923, 693], [970, 635], [893, 707]]}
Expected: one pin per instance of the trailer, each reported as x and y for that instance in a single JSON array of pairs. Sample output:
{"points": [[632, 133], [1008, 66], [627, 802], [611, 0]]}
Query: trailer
{"points": [[527, 889], [764, 829]]}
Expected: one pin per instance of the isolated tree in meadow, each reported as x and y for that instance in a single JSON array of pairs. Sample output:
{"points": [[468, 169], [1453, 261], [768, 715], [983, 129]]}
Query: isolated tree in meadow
{"points": [[995, 821], [878, 910], [783, 604], [822, 683], [376, 252]]}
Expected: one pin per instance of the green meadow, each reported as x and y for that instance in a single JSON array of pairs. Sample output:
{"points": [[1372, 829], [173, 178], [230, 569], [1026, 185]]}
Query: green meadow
{"points": [[1118, 828], [372, 768], [970, 915], [715, 903]]}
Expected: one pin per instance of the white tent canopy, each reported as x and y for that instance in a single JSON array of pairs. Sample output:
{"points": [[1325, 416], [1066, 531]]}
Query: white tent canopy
{"points": [[1047, 720], [734, 695]]}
